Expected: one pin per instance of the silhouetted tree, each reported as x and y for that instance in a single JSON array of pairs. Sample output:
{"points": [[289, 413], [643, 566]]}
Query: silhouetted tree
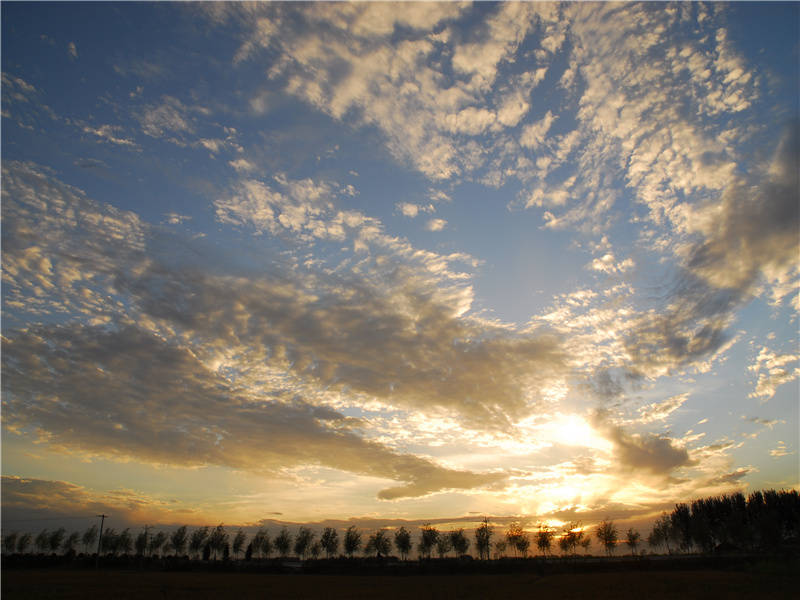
{"points": [[571, 536], [217, 540], [585, 542], [125, 542], [238, 542], [56, 539], [303, 541], [632, 538], [23, 542], [429, 535], [140, 544], [661, 535], [443, 545], [71, 542], [681, 519], [10, 543], [329, 541], [352, 541], [483, 539], [283, 542], [402, 541], [42, 541], [257, 543], [379, 543], [89, 538], [156, 543], [499, 548], [544, 538], [607, 535], [315, 550], [178, 540], [198, 540], [109, 544], [459, 542], [514, 535]]}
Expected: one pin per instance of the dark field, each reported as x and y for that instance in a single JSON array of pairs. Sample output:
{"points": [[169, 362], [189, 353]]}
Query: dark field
{"points": [[638, 585]]}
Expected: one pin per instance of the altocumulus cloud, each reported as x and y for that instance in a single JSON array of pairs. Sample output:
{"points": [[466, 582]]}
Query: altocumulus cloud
{"points": [[184, 364]]}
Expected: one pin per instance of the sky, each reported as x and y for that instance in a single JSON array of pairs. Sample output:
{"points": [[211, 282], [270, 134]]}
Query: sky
{"points": [[313, 262]]}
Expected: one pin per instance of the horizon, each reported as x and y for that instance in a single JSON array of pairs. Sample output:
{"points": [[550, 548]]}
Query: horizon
{"points": [[365, 262]]}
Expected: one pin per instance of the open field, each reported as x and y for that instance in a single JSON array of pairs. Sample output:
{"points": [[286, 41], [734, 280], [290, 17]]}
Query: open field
{"points": [[57, 584]]}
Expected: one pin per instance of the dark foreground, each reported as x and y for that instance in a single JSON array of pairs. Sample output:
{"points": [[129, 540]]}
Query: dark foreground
{"points": [[638, 585]]}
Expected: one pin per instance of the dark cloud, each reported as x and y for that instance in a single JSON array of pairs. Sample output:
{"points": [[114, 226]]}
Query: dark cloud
{"points": [[127, 393], [650, 453]]}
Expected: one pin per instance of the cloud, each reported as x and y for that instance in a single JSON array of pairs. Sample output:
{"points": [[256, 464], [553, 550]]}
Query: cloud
{"points": [[780, 450], [435, 224], [72, 50], [57, 382], [659, 411], [773, 371], [143, 308], [650, 453], [108, 134]]}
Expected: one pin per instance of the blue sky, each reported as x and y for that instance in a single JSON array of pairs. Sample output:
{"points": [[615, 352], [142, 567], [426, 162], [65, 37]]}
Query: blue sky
{"points": [[424, 260]]}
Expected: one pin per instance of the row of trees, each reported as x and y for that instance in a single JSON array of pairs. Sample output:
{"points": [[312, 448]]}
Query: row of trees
{"points": [[763, 521]]}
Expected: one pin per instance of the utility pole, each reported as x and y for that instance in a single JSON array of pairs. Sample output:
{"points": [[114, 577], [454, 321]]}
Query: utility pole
{"points": [[100, 538]]}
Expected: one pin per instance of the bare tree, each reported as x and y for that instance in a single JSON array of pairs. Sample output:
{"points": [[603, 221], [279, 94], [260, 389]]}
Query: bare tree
{"points": [[483, 539], [607, 535], [329, 542], [141, 543], [315, 550], [352, 541], [402, 541], [499, 548], [217, 540]]}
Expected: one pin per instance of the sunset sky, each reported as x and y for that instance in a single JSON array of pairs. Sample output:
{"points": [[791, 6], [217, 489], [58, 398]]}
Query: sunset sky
{"points": [[383, 261]]}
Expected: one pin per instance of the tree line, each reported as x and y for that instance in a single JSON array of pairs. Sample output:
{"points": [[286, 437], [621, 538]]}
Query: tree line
{"points": [[764, 521]]}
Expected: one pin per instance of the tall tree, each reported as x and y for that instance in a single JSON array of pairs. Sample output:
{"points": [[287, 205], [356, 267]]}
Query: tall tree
{"points": [[217, 540], [42, 541], [303, 541], [140, 544], [514, 534], [443, 545], [156, 543], [379, 543], [329, 541], [23, 542], [198, 540], [352, 541], [429, 535], [178, 539], [632, 538], [10, 543], [483, 539], [459, 542], [71, 542], [88, 538], [125, 541], [283, 543], [544, 538], [238, 542], [607, 535], [56, 539], [402, 541]]}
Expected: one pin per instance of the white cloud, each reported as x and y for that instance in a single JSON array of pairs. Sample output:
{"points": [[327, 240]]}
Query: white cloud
{"points": [[72, 50], [773, 371], [435, 224]]}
